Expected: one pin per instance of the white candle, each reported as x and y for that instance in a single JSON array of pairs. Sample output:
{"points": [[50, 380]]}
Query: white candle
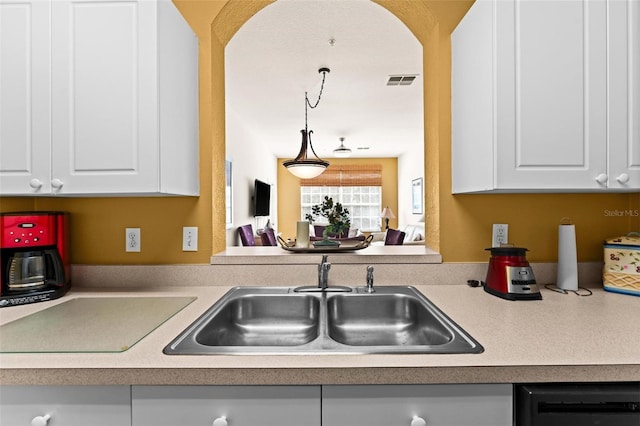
{"points": [[302, 234]]}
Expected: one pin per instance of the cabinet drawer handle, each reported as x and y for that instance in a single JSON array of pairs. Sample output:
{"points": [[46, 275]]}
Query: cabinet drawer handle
{"points": [[35, 183], [40, 420], [602, 178], [220, 421], [623, 178], [57, 183], [418, 421]]}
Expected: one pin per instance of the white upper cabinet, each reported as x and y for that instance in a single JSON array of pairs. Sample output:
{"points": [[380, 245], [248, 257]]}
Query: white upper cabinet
{"points": [[98, 98], [624, 94], [25, 97], [545, 96]]}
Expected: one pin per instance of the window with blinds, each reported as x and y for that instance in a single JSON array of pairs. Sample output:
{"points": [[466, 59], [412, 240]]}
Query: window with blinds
{"points": [[357, 187], [348, 175]]}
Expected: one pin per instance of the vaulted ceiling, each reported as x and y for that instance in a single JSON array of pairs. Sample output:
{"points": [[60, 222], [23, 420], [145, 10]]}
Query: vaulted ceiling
{"points": [[274, 58]]}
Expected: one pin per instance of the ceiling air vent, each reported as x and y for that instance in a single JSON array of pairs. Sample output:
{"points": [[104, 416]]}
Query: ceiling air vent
{"points": [[401, 80]]}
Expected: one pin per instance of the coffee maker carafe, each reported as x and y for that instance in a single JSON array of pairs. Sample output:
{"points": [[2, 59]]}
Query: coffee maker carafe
{"points": [[34, 257]]}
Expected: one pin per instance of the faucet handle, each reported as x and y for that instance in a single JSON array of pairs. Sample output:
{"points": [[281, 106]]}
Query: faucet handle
{"points": [[370, 288]]}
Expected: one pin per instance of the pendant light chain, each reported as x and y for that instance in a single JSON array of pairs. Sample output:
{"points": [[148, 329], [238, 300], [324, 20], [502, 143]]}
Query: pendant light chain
{"points": [[324, 72]]}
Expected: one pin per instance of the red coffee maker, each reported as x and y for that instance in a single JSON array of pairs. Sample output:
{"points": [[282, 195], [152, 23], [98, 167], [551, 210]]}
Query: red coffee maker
{"points": [[34, 257], [509, 275]]}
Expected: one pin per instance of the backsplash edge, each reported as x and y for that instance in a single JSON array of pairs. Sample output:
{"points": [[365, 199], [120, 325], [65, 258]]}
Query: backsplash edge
{"points": [[137, 276]]}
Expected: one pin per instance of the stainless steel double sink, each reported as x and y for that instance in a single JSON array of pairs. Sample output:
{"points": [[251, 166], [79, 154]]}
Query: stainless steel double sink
{"points": [[280, 320]]}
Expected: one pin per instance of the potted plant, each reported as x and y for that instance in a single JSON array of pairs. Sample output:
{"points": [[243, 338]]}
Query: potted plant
{"points": [[336, 215]]}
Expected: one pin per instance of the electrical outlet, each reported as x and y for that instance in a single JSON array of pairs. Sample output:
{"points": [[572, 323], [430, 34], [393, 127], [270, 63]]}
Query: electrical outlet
{"points": [[500, 234], [132, 240], [190, 238]]}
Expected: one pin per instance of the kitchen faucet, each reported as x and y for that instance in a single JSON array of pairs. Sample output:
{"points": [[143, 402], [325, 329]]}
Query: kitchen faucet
{"points": [[323, 280], [323, 272]]}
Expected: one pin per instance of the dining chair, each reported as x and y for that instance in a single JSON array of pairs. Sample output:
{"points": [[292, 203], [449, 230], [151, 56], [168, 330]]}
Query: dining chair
{"points": [[268, 237], [246, 235], [394, 237]]}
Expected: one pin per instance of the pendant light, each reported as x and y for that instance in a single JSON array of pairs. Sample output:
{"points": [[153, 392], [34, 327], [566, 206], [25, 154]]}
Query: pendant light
{"points": [[342, 151], [303, 166]]}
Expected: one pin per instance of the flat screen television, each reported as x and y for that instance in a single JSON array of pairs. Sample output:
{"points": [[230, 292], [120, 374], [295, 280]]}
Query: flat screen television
{"points": [[261, 198]]}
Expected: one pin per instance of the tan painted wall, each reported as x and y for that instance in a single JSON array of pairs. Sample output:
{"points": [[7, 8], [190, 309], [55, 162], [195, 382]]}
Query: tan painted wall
{"points": [[458, 226]]}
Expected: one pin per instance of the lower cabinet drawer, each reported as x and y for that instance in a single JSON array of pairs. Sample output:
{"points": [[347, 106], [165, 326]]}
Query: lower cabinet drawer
{"points": [[417, 405], [222, 405], [65, 405]]}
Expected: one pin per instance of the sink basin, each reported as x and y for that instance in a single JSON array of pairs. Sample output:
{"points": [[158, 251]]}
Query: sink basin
{"points": [[263, 320], [279, 320], [384, 320]]}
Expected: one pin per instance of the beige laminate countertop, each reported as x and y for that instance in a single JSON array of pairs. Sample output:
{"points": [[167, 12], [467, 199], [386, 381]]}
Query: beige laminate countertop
{"points": [[561, 338]]}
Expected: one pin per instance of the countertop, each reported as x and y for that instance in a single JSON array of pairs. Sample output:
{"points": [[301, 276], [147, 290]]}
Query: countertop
{"points": [[564, 338], [376, 254]]}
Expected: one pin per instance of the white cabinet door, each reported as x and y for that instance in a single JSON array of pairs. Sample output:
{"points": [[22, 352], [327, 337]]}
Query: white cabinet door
{"points": [[551, 94], [103, 76], [232, 405], [66, 405], [114, 74], [120, 84], [25, 99], [399, 405], [545, 96], [624, 94]]}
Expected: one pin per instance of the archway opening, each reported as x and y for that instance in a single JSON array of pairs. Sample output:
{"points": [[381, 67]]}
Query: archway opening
{"points": [[421, 20]]}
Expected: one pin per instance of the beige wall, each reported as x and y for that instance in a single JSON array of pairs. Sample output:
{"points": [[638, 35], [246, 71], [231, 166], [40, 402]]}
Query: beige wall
{"points": [[458, 226]]}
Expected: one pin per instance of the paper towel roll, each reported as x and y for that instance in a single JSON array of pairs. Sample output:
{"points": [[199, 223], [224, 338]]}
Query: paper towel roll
{"points": [[567, 258], [302, 234]]}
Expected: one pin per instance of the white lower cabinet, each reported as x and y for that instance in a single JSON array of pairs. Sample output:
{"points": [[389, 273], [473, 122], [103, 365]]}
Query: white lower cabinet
{"points": [[65, 405], [226, 405], [358, 405], [335, 405], [417, 405]]}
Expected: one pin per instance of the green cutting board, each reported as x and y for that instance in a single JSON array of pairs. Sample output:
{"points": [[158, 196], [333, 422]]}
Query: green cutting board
{"points": [[92, 324]]}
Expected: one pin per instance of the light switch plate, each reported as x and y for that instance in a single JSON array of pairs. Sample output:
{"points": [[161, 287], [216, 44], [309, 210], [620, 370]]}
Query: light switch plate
{"points": [[190, 238]]}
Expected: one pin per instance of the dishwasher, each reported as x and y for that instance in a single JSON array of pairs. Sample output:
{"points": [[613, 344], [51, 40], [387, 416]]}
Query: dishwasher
{"points": [[577, 404]]}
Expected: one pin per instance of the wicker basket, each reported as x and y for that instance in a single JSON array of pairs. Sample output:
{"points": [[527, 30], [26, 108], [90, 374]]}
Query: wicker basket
{"points": [[621, 272]]}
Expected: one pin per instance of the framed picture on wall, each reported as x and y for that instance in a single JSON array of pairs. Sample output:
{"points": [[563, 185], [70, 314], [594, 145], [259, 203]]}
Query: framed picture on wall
{"points": [[228, 193], [416, 196]]}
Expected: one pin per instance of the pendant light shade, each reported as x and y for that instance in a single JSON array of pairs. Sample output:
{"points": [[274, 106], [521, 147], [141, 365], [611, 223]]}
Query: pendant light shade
{"points": [[304, 166], [342, 151]]}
